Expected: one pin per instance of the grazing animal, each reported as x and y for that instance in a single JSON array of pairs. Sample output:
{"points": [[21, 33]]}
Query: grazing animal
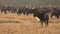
{"points": [[8, 9], [42, 16], [4, 10], [20, 11], [13, 9], [55, 12]]}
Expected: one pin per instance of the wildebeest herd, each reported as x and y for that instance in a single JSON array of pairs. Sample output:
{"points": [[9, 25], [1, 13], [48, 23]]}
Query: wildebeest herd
{"points": [[41, 13]]}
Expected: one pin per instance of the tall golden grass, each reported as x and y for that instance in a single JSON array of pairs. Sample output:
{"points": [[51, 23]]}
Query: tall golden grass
{"points": [[14, 24]]}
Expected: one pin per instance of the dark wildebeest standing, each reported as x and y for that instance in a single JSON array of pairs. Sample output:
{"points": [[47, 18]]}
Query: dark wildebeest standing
{"points": [[20, 11], [42, 16], [13, 9], [4, 9], [8, 9], [28, 11], [31, 10], [55, 12]]}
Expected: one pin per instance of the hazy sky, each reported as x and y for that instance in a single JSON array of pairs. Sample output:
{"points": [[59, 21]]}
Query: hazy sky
{"points": [[29, 2]]}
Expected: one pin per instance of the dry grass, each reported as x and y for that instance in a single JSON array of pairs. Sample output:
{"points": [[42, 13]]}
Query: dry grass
{"points": [[14, 24]]}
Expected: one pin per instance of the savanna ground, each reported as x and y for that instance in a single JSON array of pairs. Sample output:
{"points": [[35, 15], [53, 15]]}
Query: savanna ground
{"points": [[14, 24]]}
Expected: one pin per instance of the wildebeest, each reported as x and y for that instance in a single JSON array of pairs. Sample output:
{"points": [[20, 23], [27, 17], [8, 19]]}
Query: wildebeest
{"points": [[13, 9], [44, 18], [31, 10], [23, 10], [55, 12], [9, 8], [4, 9], [20, 11]]}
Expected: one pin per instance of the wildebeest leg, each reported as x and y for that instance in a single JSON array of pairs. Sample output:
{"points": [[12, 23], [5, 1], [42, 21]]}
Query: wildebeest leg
{"points": [[12, 11], [27, 13], [19, 14], [57, 16], [9, 11], [1, 11], [23, 13], [41, 23], [46, 23], [51, 15], [5, 12]]}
